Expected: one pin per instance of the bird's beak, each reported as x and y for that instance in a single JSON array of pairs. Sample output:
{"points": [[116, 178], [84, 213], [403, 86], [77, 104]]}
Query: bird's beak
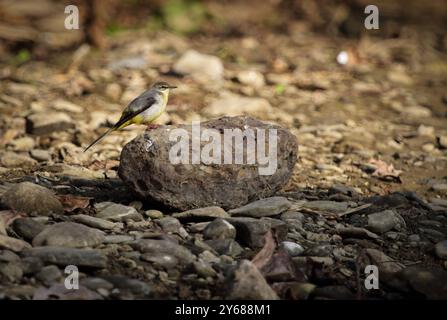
{"points": [[172, 87]]}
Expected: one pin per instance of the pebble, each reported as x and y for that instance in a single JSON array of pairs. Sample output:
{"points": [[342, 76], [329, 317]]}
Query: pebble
{"points": [[292, 248], [384, 221], [233, 105], [47, 122], [153, 214], [118, 238], [227, 247], [49, 274], [250, 231], [33, 199], [327, 206], [40, 155], [262, 208], [172, 225], [27, 228], [64, 105], [23, 144], [69, 234], [442, 140], [124, 283], [13, 244], [94, 222], [292, 215], [219, 229], [251, 78], [153, 246], [441, 250], [202, 214], [116, 212], [417, 112], [16, 160], [161, 259], [200, 66], [247, 283], [387, 266], [63, 256]]}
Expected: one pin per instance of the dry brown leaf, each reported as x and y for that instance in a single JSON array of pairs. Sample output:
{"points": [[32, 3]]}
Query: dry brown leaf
{"points": [[71, 202], [384, 170]]}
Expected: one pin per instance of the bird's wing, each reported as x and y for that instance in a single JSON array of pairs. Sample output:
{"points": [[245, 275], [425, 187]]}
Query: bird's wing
{"points": [[134, 108]]}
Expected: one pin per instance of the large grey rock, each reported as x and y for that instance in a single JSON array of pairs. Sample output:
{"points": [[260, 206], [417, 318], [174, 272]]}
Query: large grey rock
{"points": [[63, 256], [146, 167], [219, 229], [69, 234], [164, 246], [250, 231], [33, 199]]}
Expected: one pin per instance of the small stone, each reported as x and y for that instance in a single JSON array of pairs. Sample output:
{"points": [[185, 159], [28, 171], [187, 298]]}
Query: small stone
{"points": [[219, 229], [118, 238], [200, 66], [113, 91], [292, 248], [250, 231], [32, 199], [31, 265], [234, 105], [135, 62], [23, 144], [49, 274], [13, 244], [292, 215], [262, 208], [327, 206], [439, 187], [12, 271], [427, 131], [27, 228], [60, 292], [15, 160], [442, 140], [247, 283], [202, 214], [441, 250], [387, 266], [47, 122], [96, 283], [8, 256], [94, 222], [431, 282], [116, 212], [64, 105], [164, 246], [40, 155], [63, 256], [251, 78], [69, 234], [417, 112], [153, 214], [161, 259], [227, 247], [124, 283], [203, 269], [172, 225], [384, 221]]}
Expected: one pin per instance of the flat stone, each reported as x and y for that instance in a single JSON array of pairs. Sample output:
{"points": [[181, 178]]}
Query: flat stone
{"points": [[12, 271], [32, 199], [327, 206], [60, 292], [116, 212], [94, 222], [63, 256], [69, 234], [40, 155], [124, 283], [23, 144], [202, 214], [13, 244], [252, 78], [118, 238], [16, 160], [96, 283], [27, 228], [219, 229], [47, 122], [263, 208], [431, 282], [384, 221], [153, 214], [172, 225], [161, 259], [247, 283], [441, 250], [164, 246], [387, 266]]}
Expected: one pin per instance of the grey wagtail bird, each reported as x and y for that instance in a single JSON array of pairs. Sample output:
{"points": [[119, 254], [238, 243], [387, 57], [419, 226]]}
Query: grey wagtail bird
{"points": [[144, 109]]}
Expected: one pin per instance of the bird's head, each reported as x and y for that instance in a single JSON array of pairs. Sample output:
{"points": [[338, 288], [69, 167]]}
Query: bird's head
{"points": [[163, 86]]}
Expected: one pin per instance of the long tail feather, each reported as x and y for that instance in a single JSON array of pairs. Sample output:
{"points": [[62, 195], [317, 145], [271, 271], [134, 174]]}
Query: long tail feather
{"points": [[100, 138]]}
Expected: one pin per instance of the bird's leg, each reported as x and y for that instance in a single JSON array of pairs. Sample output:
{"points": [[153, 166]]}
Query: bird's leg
{"points": [[152, 126]]}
